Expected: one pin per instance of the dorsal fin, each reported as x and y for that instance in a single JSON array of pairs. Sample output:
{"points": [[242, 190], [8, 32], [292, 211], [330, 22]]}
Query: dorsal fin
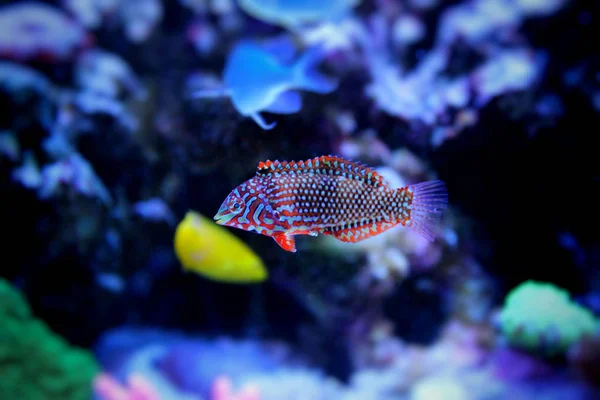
{"points": [[326, 165]]}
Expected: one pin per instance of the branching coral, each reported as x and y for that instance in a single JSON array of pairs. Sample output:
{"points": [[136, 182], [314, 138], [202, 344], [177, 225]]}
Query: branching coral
{"points": [[35, 363], [138, 17], [36, 30], [409, 369], [434, 96]]}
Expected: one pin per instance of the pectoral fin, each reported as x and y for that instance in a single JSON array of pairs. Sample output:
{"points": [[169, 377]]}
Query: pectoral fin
{"points": [[286, 241], [288, 102]]}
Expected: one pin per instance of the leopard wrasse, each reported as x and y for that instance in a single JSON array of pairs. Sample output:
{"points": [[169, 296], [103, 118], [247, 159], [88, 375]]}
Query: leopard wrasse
{"points": [[329, 195]]}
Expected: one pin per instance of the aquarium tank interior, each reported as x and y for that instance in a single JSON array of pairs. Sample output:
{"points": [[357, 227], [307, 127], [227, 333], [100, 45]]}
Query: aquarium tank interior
{"points": [[300, 200]]}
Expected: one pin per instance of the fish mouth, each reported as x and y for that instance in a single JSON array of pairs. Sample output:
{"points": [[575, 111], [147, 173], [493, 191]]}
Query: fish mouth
{"points": [[223, 215]]}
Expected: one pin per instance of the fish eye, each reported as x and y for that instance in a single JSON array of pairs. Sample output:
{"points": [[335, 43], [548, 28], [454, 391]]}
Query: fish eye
{"points": [[236, 205]]}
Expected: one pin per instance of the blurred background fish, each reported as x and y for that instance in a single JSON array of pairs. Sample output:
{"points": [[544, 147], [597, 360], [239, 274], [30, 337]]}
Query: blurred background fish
{"points": [[208, 249]]}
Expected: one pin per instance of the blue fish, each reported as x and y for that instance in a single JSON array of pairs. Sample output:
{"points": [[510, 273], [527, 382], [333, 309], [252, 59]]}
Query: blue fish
{"points": [[257, 80]]}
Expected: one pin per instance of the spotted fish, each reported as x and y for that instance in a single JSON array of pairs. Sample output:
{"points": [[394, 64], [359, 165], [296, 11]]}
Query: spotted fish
{"points": [[332, 196]]}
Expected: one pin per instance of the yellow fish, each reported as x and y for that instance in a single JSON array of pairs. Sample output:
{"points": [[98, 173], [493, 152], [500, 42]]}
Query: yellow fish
{"points": [[211, 251]]}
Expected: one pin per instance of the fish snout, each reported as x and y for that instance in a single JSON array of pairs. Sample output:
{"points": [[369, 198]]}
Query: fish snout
{"points": [[223, 215]]}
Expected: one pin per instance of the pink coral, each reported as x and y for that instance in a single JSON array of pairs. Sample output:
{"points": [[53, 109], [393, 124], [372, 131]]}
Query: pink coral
{"points": [[222, 389], [138, 388]]}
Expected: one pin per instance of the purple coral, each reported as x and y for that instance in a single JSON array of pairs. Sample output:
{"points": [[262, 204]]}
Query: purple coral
{"points": [[137, 388], [507, 71], [73, 172], [139, 18], [36, 30], [154, 209], [427, 94], [222, 389], [107, 74]]}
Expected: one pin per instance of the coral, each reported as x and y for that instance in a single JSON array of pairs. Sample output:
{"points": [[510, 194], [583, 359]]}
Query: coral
{"points": [[364, 146], [16, 78], [139, 18], [407, 30], [395, 367], [32, 94], [431, 96], [106, 73], [154, 209], [9, 146], [28, 173], [296, 12], [439, 388], [35, 363], [540, 317], [184, 367], [90, 12], [584, 357], [295, 384], [138, 388], [36, 30], [222, 389], [511, 364], [73, 172]]}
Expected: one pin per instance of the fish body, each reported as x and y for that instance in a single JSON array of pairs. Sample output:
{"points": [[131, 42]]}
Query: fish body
{"points": [[332, 196], [257, 80], [211, 251]]}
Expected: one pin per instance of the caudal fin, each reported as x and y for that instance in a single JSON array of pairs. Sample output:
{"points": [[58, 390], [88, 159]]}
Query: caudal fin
{"points": [[306, 75], [429, 201]]}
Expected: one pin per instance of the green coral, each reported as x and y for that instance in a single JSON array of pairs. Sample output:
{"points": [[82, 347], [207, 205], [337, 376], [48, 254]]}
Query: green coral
{"points": [[541, 318], [35, 363]]}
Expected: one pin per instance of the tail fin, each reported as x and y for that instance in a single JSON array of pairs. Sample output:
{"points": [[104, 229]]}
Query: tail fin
{"points": [[307, 77], [429, 200]]}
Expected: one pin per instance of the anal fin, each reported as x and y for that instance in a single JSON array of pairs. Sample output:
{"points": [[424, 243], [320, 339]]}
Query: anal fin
{"points": [[260, 121], [288, 102], [285, 241]]}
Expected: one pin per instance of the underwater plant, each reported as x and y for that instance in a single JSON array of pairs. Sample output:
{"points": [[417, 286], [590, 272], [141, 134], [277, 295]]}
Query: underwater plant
{"points": [[36, 363], [541, 318], [208, 249]]}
